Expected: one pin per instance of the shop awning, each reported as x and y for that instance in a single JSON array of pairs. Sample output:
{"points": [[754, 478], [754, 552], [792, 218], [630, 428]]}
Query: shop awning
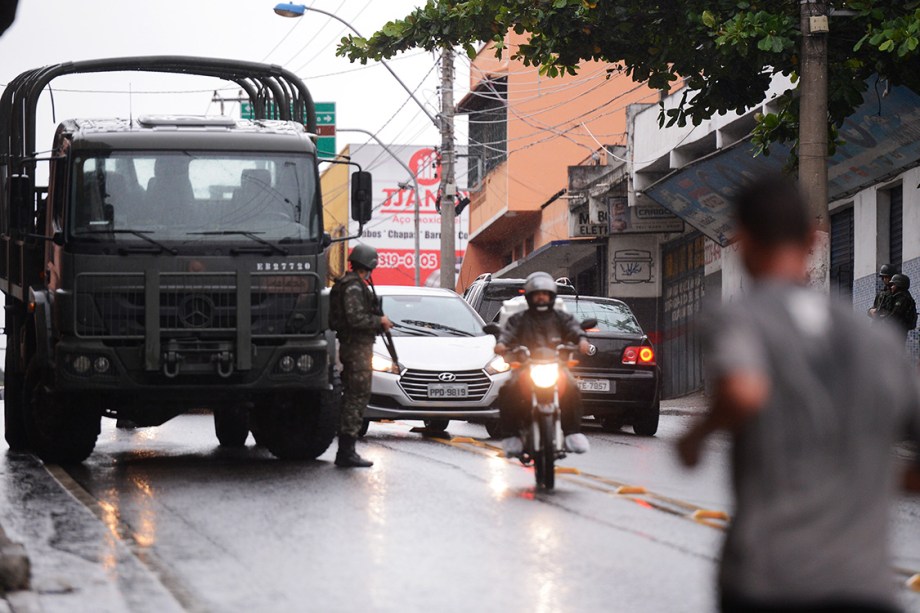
{"points": [[882, 140]]}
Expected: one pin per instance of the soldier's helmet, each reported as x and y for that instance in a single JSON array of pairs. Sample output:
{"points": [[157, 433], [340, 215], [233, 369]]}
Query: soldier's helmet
{"points": [[539, 282], [900, 281], [886, 270], [364, 256]]}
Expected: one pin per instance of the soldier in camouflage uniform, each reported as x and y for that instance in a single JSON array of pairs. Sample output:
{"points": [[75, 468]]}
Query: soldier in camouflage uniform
{"points": [[358, 324], [900, 308], [884, 273]]}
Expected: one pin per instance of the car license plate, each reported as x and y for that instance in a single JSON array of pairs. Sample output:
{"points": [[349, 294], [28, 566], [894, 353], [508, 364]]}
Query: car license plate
{"points": [[447, 390], [597, 385]]}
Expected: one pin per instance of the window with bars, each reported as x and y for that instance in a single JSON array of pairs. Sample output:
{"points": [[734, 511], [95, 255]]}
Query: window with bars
{"points": [[488, 127]]}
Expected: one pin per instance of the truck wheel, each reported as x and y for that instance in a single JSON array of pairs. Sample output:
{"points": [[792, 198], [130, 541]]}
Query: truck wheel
{"points": [[17, 437], [301, 427], [645, 422], [231, 426], [60, 432]]}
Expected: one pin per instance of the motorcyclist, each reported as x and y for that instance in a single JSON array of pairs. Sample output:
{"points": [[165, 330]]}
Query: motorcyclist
{"points": [[540, 325]]}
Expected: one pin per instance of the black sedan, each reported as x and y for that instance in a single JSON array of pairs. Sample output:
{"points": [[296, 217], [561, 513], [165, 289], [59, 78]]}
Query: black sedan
{"points": [[619, 377]]}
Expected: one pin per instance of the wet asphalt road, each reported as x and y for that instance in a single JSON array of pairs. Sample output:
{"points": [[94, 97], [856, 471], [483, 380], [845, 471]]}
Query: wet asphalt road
{"points": [[161, 519]]}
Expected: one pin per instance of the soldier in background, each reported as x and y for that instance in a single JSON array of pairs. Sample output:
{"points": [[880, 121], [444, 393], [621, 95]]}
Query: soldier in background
{"points": [[353, 314], [899, 307], [884, 273]]}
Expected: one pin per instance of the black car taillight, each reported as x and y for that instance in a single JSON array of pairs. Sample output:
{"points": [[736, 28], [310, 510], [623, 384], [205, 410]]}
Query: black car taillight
{"points": [[639, 355]]}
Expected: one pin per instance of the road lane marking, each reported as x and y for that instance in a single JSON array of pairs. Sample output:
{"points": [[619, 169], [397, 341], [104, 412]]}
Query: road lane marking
{"points": [[712, 518], [602, 484]]}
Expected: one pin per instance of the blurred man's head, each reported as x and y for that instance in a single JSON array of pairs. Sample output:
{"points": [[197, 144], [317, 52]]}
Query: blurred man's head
{"points": [[774, 229]]}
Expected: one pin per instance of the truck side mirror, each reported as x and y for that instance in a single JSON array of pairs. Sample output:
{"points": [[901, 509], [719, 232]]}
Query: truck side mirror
{"points": [[362, 192], [22, 206]]}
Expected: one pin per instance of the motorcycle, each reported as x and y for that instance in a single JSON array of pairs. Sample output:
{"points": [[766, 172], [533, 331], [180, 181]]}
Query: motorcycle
{"points": [[544, 442]]}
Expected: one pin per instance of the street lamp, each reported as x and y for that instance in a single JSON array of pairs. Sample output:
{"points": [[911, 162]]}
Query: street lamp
{"points": [[287, 9]]}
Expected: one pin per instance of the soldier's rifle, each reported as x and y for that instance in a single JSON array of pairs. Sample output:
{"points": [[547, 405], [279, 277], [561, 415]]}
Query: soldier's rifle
{"points": [[387, 337]]}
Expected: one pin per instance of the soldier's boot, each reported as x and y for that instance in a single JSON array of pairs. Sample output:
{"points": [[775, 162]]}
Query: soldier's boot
{"points": [[347, 457]]}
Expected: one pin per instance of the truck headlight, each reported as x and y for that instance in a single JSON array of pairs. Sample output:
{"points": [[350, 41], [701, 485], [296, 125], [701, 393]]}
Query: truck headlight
{"points": [[497, 365], [384, 364], [286, 364], [304, 362]]}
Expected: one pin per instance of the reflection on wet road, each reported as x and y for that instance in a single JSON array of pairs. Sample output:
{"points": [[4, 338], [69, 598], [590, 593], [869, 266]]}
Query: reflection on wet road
{"points": [[177, 523]]}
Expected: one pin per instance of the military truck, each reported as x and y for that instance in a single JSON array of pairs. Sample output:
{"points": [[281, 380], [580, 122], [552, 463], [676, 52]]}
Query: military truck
{"points": [[171, 263]]}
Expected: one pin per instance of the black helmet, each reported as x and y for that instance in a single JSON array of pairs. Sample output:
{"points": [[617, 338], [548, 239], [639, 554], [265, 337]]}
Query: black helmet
{"points": [[887, 270], [900, 281], [539, 282], [364, 256]]}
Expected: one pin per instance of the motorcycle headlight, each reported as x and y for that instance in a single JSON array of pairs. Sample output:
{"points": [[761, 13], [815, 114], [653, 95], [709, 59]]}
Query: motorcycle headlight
{"points": [[544, 375], [384, 364], [497, 365]]}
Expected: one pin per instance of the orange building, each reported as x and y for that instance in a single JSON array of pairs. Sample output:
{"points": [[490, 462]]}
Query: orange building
{"points": [[525, 130]]}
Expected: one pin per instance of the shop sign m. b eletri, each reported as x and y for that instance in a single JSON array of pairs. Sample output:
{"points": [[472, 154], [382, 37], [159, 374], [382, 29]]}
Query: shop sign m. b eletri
{"points": [[392, 229]]}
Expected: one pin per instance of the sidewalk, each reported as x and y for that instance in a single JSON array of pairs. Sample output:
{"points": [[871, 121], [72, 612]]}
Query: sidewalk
{"points": [[694, 403]]}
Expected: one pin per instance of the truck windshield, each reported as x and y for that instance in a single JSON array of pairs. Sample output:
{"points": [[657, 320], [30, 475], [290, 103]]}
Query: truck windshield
{"points": [[190, 196]]}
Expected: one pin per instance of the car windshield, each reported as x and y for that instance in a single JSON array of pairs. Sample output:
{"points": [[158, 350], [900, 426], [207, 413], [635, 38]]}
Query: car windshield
{"points": [[610, 316], [431, 316], [193, 196]]}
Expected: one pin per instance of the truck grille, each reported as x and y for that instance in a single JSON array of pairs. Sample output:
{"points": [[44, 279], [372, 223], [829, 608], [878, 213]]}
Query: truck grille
{"points": [[415, 383], [118, 305]]}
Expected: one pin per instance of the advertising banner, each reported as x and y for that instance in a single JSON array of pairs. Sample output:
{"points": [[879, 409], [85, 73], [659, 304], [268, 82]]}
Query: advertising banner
{"points": [[391, 230]]}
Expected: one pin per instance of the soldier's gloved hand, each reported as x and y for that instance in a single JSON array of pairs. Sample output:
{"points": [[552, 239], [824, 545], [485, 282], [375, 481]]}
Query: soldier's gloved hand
{"points": [[385, 322]]}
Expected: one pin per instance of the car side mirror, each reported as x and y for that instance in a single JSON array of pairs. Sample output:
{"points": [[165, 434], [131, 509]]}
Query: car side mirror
{"points": [[327, 239], [493, 329], [362, 196], [58, 239], [587, 324]]}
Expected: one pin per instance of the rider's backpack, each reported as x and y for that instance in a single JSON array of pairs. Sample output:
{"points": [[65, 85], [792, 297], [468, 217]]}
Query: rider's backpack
{"points": [[337, 319]]}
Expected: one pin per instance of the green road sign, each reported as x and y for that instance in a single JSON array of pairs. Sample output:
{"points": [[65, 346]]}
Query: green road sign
{"points": [[325, 126]]}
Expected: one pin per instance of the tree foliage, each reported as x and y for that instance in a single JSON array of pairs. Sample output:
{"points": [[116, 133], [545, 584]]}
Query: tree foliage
{"points": [[726, 51]]}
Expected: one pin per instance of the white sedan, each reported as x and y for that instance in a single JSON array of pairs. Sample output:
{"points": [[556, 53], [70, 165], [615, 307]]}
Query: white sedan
{"points": [[446, 368]]}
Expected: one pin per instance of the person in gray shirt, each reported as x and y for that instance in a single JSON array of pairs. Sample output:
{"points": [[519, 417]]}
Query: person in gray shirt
{"points": [[814, 399]]}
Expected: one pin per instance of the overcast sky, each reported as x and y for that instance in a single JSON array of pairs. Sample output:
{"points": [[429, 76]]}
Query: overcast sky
{"points": [[54, 31]]}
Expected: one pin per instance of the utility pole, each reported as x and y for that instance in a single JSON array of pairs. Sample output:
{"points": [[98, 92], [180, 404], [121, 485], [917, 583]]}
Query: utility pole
{"points": [[813, 132], [448, 182], [218, 98]]}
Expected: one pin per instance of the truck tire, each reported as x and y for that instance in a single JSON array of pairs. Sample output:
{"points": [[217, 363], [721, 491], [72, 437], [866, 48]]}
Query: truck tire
{"points": [[231, 426], [17, 437], [60, 432], [301, 426]]}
